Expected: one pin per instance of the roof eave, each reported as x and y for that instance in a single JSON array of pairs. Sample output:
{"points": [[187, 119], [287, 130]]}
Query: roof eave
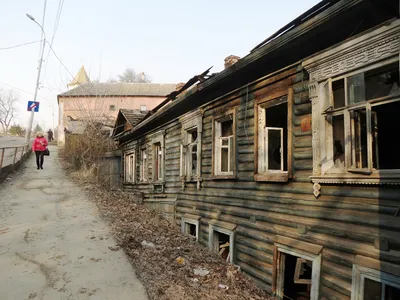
{"points": [[309, 25]]}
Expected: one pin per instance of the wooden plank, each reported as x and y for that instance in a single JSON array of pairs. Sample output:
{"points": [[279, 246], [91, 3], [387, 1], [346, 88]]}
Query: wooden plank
{"points": [[299, 245], [377, 265], [335, 283], [331, 294], [289, 133]]}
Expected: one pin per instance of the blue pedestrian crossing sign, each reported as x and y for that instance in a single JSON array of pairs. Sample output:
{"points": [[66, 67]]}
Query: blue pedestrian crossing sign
{"points": [[33, 105]]}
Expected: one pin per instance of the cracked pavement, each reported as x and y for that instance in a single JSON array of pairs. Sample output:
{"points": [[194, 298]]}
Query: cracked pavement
{"points": [[54, 244]]}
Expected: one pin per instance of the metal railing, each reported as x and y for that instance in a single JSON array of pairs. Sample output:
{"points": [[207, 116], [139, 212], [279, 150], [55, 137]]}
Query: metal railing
{"points": [[12, 154]]}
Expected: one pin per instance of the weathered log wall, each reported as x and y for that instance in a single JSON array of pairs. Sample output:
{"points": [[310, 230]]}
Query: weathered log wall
{"points": [[347, 221]]}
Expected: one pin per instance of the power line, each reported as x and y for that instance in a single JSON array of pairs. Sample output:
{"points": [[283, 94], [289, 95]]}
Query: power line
{"points": [[55, 28], [20, 45], [72, 76]]}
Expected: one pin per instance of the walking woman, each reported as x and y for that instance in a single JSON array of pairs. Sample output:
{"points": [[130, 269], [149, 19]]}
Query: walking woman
{"points": [[39, 146]]}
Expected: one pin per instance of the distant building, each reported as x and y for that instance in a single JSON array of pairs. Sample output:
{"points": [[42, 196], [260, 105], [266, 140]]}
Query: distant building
{"points": [[87, 100]]}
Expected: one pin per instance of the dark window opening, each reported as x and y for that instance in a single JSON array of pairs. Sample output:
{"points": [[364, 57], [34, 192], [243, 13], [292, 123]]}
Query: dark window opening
{"points": [[227, 128], [385, 125], [338, 140], [191, 229], [338, 93], [382, 82], [360, 145], [373, 290], [276, 118], [157, 162], [297, 279], [222, 245], [112, 107]]}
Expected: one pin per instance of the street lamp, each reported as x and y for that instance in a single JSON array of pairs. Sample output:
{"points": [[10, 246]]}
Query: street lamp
{"points": [[28, 132]]}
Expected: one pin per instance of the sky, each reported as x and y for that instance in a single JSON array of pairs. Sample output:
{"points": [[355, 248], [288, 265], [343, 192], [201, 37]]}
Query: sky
{"points": [[169, 40]]}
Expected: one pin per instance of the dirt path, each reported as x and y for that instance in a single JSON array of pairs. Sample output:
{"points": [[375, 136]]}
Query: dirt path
{"points": [[53, 243]]}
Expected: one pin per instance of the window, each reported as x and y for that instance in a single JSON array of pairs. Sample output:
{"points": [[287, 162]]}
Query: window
{"points": [[221, 241], [112, 107], [273, 140], [370, 284], [130, 167], [158, 160], [143, 165], [224, 146], [361, 111], [190, 156], [158, 155], [297, 273], [190, 226], [143, 108], [354, 90]]}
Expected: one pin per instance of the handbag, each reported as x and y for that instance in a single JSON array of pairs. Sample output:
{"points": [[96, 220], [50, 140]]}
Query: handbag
{"points": [[46, 152]]}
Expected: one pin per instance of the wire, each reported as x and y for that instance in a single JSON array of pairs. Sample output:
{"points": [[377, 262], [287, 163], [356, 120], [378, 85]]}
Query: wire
{"points": [[72, 76], [20, 45]]}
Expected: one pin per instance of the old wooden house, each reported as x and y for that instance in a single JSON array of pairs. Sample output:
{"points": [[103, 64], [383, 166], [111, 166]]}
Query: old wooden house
{"points": [[285, 163]]}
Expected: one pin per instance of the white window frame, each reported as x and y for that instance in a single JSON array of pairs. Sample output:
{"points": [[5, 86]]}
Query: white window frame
{"points": [[358, 280], [187, 220], [143, 108], [213, 239], [190, 122], [315, 275], [158, 138], [130, 167], [262, 173], [218, 146], [143, 165], [371, 50]]}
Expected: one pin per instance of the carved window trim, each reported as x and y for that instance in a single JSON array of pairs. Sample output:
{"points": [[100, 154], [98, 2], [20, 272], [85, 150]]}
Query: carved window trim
{"points": [[191, 122], [158, 138], [370, 50]]}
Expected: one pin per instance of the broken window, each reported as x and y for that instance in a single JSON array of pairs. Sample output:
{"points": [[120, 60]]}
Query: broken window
{"points": [[273, 139], [158, 162], [369, 284], [143, 165], [362, 110], [224, 151], [221, 242], [130, 167], [190, 226], [297, 278], [189, 154]]}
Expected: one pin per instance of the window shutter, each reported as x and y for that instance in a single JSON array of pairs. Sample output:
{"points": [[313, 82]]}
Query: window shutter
{"points": [[232, 155], [183, 161]]}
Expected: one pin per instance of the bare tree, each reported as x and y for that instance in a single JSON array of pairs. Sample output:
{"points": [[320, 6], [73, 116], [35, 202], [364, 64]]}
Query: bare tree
{"points": [[7, 108], [129, 75]]}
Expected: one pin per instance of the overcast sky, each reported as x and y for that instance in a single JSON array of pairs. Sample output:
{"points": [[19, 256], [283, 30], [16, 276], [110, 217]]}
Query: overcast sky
{"points": [[169, 40]]}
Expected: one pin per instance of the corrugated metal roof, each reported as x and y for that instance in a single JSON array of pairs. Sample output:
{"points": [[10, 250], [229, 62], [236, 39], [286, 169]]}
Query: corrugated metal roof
{"points": [[121, 89]]}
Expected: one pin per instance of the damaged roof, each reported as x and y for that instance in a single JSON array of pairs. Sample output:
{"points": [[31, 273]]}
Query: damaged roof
{"points": [[133, 116], [121, 89], [326, 24]]}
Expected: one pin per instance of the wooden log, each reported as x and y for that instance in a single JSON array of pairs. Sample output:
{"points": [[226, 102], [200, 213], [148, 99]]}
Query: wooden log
{"points": [[335, 283]]}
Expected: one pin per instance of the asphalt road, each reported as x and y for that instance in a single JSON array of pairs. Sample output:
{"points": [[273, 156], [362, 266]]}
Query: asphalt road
{"points": [[55, 245], [10, 141]]}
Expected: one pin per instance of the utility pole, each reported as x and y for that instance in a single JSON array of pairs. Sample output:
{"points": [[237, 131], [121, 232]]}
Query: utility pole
{"points": [[29, 130]]}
